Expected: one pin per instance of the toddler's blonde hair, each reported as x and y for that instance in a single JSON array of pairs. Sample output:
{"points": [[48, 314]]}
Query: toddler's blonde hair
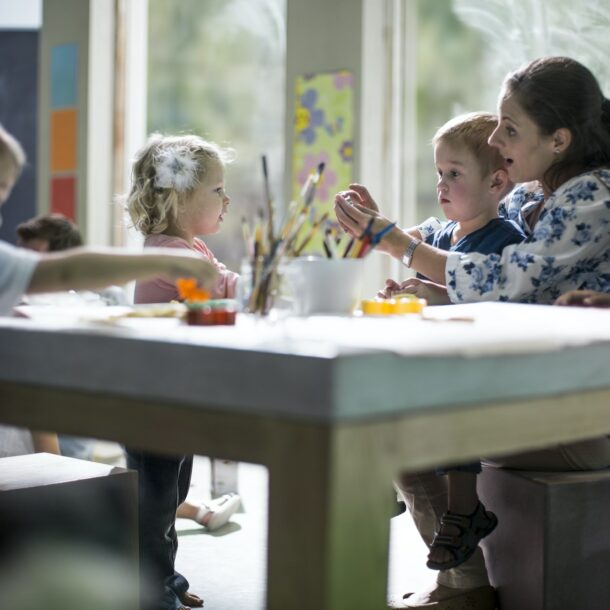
{"points": [[165, 172], [472, 131]]}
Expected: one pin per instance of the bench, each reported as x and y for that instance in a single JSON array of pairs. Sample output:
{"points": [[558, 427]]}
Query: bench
{"points": [[64, 515], [551, 549]]}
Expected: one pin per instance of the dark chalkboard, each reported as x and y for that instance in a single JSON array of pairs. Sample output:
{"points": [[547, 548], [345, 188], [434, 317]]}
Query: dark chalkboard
{"points": [[19, 115]]}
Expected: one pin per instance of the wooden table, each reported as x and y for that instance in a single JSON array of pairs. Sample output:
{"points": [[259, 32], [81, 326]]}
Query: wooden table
{"points": [[334, 407]]}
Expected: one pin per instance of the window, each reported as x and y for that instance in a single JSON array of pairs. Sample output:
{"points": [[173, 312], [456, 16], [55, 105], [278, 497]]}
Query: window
{"points": [[466, 47], [216, 68]]}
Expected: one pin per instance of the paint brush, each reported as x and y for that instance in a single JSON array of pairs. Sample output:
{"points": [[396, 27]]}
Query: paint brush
{"points": [[247, 237], [330, 247], [309, 190], [312, 232], [269, 200]]}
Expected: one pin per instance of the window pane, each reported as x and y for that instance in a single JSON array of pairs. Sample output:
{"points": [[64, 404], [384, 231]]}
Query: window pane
{"points": [[216, 68], [450, 81], [466, 47]]}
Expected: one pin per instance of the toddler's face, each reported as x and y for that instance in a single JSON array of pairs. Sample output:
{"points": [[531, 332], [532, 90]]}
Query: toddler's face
{"points": [[203, 212], [463, 194]]}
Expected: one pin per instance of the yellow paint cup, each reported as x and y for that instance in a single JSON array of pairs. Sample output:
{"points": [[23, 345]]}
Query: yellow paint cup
{"points": [[390, 307]]}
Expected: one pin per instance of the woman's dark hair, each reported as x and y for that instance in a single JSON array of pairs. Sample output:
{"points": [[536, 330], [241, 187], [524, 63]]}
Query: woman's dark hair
{"points": [[59, 231], [559, 92]]}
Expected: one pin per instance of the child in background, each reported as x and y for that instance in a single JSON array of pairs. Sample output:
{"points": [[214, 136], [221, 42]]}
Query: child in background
{"points": [[472, 180], [50, 233], [177, 194]]}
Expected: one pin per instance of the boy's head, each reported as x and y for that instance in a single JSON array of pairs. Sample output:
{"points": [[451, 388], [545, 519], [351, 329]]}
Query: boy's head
{"points": [[50, 233], [472, 177], [167, 173], [12, 160]]}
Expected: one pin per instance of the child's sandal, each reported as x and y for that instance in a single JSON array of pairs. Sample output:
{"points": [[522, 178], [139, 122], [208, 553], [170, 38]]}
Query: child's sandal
{"points": [[473, 528]]}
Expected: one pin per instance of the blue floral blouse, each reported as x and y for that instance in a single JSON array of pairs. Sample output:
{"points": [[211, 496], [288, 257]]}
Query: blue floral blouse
{"points": [[568, 248]]}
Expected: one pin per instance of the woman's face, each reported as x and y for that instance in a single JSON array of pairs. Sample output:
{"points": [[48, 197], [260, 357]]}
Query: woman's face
{"points": [[527, 152], [204, 210]]}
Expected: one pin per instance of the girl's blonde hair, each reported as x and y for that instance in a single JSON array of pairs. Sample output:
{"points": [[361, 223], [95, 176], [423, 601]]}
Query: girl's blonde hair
{"points": [[165, 173]]}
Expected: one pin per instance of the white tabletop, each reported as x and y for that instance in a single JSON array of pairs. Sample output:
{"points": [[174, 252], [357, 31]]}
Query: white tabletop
{"points": [[322, 368]]}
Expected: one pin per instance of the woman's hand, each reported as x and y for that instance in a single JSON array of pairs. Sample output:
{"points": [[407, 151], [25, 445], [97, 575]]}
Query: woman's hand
{"points": [[435, 294], [584, 298]]}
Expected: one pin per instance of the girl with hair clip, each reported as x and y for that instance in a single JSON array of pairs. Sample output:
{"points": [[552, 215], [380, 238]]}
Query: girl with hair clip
{"points": [[553, 129], [177, 194]]}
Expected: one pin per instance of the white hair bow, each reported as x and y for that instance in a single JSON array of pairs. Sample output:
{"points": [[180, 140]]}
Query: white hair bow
{"points": [[175, 168]]}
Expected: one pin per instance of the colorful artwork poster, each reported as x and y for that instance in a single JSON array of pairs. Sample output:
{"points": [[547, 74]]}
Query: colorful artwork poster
{"points": [[323, 132]]}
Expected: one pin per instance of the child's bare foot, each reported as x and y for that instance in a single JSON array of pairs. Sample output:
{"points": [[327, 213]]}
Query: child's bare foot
{"points": [[459, 536], [191, 600]]}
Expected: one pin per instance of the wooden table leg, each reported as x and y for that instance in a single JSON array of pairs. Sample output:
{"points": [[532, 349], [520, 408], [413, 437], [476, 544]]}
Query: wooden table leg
{"points": [[329, 511]]}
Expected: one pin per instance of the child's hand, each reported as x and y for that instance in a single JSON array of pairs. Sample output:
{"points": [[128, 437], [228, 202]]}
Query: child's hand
{"points": [[192, 266], [390, 287], [584, 298], [435, 294]]}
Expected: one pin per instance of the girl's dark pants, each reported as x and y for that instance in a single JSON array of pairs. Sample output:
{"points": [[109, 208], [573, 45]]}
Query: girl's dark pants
{"points": [[163, 483]]}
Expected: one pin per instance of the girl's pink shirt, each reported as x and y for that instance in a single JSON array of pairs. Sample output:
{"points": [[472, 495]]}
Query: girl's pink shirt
{"points": [[161, 290]]}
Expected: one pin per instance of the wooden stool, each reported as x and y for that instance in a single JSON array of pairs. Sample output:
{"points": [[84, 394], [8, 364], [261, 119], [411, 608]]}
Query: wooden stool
{"points": [[75, 506], [551, 549]]}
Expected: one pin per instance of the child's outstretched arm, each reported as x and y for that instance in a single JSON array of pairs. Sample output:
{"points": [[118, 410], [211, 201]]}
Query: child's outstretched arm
{"points": [[82, 268]]}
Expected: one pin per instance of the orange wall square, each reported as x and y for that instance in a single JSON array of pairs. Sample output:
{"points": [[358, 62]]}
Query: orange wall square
{"points": [[63, 140]]}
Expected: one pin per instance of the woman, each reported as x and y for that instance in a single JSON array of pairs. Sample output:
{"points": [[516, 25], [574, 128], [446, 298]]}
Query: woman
{"points": [[553, 128]]}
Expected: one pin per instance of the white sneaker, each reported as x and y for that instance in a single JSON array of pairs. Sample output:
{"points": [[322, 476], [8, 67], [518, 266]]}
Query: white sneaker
{"points": [[221, 508]]}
